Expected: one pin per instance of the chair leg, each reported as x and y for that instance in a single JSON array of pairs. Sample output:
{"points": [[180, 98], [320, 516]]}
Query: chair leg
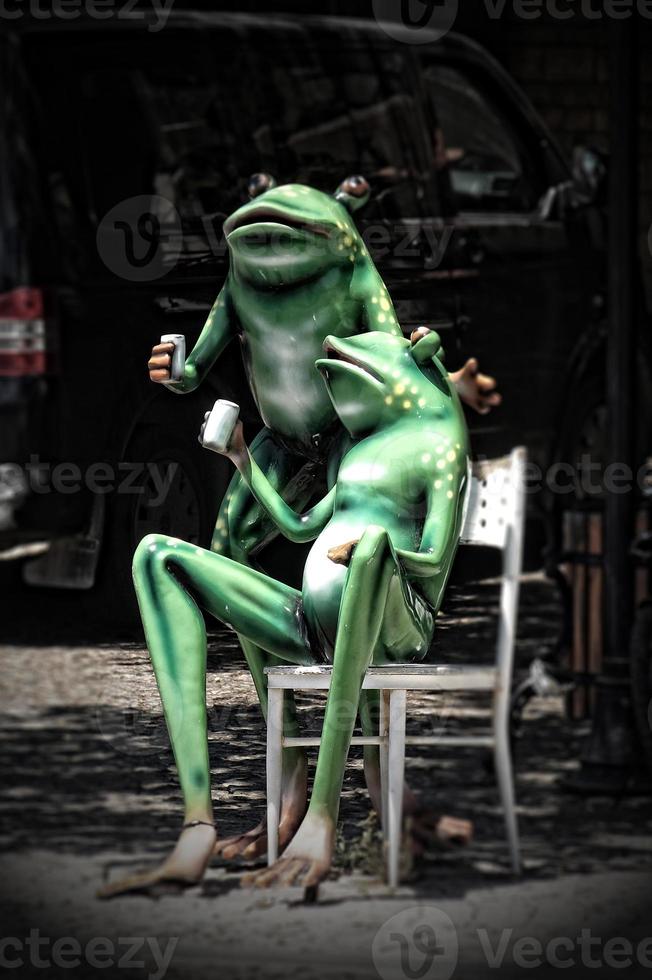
{"points": [[274, 768], [396, 771], [383, 731], [504, 775]]}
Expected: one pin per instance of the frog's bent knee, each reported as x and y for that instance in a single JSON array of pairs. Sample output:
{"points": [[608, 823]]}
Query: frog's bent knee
{"points": [[153, 546], [373, 539]]}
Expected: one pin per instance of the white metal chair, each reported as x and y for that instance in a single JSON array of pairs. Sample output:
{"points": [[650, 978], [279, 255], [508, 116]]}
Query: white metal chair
{"points": [[494, 518]]}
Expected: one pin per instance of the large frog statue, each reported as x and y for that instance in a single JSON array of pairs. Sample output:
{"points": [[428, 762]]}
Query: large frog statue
{"points": [[385, 536], [299, 271]]}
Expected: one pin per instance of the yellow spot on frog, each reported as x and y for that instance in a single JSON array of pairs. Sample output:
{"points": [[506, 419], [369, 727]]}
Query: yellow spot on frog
{"points": [[374, 299], [437, 484], [441, 463], [450, 455], [407, 404], [422, 403], [399, 389], [389, 400], [384, 303], [426, 458], [450, 476], [450, 494], [414, 389], [381, 318], [348, 240]]}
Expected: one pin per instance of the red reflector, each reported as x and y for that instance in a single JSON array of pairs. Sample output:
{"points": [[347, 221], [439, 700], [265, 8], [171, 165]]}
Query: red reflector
{"points": [[24, 303], [22, 333], [22, 365]]}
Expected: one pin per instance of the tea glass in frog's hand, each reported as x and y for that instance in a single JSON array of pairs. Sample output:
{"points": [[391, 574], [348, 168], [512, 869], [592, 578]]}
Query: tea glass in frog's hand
{"points": [[218, 426], [167, 361]]}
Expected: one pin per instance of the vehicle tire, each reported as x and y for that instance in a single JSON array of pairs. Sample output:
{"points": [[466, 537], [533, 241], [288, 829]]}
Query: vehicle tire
{"points": [[641, 676], [161, 453]]}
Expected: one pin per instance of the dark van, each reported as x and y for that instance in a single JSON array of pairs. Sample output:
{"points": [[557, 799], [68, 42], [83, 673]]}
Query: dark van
{"points": [[123, 149]]}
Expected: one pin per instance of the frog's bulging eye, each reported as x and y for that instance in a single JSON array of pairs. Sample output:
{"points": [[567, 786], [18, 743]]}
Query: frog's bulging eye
{"points": [[353, 192], [426, 344], [418, 334], [259, 183]]}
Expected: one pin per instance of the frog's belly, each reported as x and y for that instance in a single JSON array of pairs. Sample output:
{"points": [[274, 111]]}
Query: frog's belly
{"points": [[323, 583], [291, 397]]}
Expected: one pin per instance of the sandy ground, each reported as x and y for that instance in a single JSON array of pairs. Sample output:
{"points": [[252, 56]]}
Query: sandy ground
{"points": [[90, 791]]}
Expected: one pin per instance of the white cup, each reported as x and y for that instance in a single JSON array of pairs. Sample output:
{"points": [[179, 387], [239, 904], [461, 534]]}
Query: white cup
{"points": [[217, 430], [178, 361]]}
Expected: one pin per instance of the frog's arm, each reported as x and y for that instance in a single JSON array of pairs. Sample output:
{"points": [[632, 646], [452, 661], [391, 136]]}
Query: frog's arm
{"points": [[440, 532], [297, 527], [218, 330], [369, 289]]}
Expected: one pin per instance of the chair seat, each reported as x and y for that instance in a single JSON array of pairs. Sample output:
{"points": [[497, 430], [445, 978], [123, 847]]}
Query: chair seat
{"points": [[409, 677]]}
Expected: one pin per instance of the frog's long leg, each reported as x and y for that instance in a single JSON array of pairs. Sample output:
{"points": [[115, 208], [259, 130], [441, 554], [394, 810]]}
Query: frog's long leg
{"points": [[267, 612], [381, 617], [242, 528]]}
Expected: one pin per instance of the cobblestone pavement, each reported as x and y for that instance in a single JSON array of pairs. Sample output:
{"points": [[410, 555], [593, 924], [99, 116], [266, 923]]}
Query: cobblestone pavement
{"points": [[90, 791]]}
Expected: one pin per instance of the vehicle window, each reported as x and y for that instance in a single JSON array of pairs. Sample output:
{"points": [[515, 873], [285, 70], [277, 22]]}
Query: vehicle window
{"points": [[150, 116], [334, 109], [25, 244], [189, 115], [476, 153]]}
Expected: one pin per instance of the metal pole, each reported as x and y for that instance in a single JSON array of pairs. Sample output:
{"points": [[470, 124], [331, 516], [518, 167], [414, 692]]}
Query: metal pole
{"points": [[606, 763]]}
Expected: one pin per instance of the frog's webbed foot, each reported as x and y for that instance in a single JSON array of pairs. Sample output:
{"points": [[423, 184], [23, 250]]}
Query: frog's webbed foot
{"points": [[184, 867], [287, 871], [253, 843], [306, 861], [341, 554]]}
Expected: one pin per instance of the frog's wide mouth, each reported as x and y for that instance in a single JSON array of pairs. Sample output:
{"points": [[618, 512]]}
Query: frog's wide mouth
{"points": [[257, 221], [336, 354]]}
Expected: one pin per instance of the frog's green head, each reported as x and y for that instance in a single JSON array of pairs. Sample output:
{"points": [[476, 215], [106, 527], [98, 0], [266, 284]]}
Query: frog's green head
{"points": [[289, 234], [375, 379]]}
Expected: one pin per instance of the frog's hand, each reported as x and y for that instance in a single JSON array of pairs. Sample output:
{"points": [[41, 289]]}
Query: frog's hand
{"points": [[368, 288], [296, 527], [441, 530], [218, 330], [341, 554]]}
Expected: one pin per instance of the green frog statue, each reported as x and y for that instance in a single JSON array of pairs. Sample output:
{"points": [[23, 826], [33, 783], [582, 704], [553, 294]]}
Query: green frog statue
{"points": [[337, 387]]}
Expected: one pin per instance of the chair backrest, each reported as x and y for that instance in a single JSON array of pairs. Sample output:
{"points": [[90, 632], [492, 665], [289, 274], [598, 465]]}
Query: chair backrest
{"points": [[495, 499], [495, 517]]}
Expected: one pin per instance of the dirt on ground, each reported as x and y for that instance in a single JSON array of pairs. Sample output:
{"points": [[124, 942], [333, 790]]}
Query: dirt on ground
{"points": [[89, 792]]}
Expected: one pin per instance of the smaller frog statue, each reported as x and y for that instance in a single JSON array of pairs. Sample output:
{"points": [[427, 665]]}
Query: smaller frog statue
{"points": [[385, 537]]}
